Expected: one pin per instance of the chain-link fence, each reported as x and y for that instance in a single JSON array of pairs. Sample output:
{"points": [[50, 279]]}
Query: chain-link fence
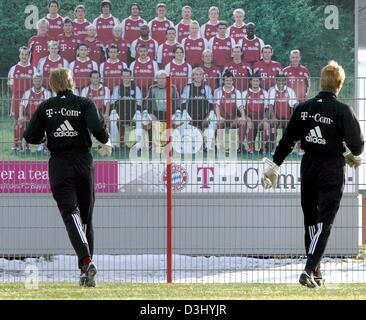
{"points": [[225, 227]]}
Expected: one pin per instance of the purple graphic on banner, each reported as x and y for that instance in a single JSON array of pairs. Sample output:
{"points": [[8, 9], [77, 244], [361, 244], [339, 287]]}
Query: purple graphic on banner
{"points": [[32, 177]]}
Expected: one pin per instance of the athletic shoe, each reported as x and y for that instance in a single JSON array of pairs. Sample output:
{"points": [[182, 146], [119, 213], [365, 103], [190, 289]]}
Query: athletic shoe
{"points": [[307, 279], [82, 279], [300, 153], [88, 273], [318, 278]]}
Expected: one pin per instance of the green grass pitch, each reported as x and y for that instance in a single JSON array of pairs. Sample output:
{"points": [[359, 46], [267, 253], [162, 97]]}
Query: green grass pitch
{"points": [[126, 291]]}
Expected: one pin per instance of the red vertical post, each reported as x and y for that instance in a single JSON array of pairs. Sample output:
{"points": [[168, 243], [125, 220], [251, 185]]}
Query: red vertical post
{"points": [[169, 181]]}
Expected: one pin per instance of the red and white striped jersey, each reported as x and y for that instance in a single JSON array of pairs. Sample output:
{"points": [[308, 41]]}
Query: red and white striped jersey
{"points": [[299, 80], [38, 46], [122, 45], [151, 44], [32, 99], [68, 47], [80, 32], [144, 74], [101, 96], [81, 70], [182, 30], [282, 101], [131, 28], [221, 50], [158, 29], [165, 54], [267, 72], [56, 26], [20, 78], [255, 103], [111, 73], [237, 33], [229, 102], [208, 30], [105, 28], [46, 66], [252, 50], [95, 51], [193, 50], [241, 72], [181, 74], [212, 76]]}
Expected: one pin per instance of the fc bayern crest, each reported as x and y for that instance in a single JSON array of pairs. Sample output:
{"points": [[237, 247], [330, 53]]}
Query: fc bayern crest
{"points": [[151, 45], [179, 177]]}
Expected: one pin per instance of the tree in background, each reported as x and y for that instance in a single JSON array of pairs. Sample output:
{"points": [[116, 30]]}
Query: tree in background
{"points": [[285, 25]]}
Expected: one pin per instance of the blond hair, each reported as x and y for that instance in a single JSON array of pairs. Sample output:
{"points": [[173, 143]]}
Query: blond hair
{"points": [[61, 80], [332, 76]]}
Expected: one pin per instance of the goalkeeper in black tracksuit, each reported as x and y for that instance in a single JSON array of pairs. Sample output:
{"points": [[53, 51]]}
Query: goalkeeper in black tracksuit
{"points": [[330, 136], [65, 122]]}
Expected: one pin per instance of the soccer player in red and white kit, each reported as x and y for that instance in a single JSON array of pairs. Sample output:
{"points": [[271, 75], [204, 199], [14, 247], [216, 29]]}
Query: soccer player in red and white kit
{"points": [[31, 99], [55, 21], [82, 67], [19, 81], [298, 76], [179, 70], [51, 62], [38, 45], [131, 25], [252, 46], [160, 24], [209, 29], [221, 46], [121, 43], [111, 70], [144, 69], [166, 49], [194, 45], [267, 68], [229, 110], [212, 73], [238, 30], [255, 101], [183, 27], [80, 23], [299, 81], [95, 47], [282, 101], [145, 40], [105, 22], [68, 42], [239, 69], [101, 95]]}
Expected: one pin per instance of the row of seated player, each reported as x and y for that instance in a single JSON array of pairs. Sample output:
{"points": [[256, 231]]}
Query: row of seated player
{"points": [[248, 111]]}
